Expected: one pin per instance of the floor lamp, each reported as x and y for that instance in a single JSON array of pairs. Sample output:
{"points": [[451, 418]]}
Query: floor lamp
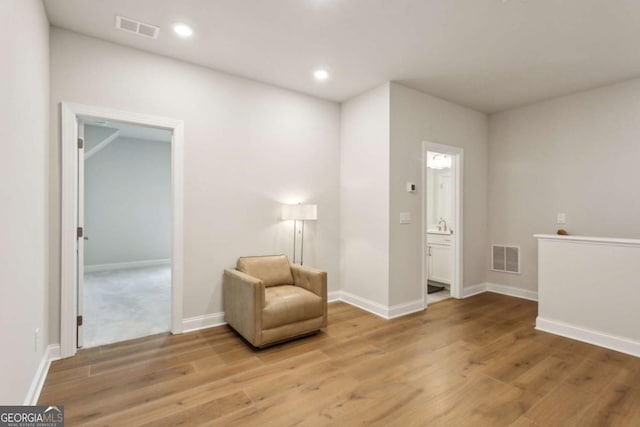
{"points": [[297, 213]]}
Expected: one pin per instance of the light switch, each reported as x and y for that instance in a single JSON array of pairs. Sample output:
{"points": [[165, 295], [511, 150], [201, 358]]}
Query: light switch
{"points": [[562, 218], [405, 217]]}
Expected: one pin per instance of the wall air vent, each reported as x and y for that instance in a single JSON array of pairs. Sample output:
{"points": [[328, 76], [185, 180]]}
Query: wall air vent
{"points": [[505, 258], [137, 27]]}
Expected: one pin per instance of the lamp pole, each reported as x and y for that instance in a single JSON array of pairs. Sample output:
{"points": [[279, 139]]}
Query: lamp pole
{"points": [[297, 213], [302, 245], [294, 240]]}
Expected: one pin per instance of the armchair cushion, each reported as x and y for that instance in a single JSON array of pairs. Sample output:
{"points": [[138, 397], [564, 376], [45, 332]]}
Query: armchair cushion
{"points": [[273, 270], [289, 304]]}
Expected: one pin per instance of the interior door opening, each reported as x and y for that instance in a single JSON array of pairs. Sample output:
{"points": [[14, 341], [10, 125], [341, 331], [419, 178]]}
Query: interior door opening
{"points": [[442, 223], [71, 115], [124, 214]]}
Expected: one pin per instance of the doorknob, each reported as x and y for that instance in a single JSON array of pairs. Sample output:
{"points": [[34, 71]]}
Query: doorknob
{"points": [[86, 238]]}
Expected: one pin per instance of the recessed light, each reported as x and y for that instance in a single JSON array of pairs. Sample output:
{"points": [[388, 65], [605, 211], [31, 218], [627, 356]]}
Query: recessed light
{"points": [[183, 30], [321, 74]]}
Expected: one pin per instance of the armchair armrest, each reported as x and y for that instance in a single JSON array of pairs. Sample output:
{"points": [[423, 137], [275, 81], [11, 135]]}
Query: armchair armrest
{"points": [[243, 297], [311, 279]]}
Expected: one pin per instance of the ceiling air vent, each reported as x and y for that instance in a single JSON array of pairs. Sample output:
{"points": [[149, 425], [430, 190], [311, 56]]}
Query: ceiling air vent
{"points": [[137, 27], [505, 258]]}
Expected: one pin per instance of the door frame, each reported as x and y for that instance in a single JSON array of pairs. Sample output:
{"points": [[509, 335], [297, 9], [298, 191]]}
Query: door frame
{"points": [[80, 240], [70, 115], [457, 175]]}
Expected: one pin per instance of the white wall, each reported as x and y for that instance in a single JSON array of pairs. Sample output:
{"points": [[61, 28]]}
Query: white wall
{"points": [[381, 149], [571, 301], [364, 195], [248, 147], [576, 154], [128, 202], [24, 133], [418, 117]]}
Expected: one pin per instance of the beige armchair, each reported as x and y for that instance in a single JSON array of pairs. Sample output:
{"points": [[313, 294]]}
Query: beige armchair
{"points": [[268, 300]]}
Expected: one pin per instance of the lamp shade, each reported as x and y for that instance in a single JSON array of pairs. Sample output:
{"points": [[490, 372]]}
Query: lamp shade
{"points": [[299, 212]]}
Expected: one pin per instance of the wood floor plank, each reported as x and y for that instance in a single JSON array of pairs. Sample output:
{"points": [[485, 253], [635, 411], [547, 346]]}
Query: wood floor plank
{"points": [[291, 382], [592, 376], [369, 401], [448, 408], [514, 362], [118, 408], [472, 362], [504, 406], [618, 403], [153, 363], [92, 388], [200, 414], [288, 405], [71, 374], [563, 406], [523, 422], [545, 376]]}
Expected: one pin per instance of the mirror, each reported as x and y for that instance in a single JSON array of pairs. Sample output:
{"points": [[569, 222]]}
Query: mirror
{"points": [[439, 192]]}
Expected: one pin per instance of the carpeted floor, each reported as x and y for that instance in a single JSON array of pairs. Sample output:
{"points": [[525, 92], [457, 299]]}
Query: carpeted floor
{"points": [[124, 304]]}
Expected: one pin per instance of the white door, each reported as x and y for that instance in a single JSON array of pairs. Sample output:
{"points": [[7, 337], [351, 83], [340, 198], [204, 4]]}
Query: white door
{"points": [[80, 232]]}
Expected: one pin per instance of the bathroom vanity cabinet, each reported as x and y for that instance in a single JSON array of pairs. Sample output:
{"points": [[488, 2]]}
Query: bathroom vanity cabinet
{"points": [[440, 257]]}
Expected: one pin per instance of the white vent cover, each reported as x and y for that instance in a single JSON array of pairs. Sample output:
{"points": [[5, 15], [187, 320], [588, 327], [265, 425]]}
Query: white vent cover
{"points": [[137, 27], [505, 258]]}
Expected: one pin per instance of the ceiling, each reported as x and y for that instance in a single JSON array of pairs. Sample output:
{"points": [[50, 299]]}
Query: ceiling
{"points": [[129, 130], [489, 55]]}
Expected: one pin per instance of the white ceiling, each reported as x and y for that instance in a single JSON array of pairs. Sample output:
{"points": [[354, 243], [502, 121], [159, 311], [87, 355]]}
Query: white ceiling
{"points": [[129, 130], [486, 54]]}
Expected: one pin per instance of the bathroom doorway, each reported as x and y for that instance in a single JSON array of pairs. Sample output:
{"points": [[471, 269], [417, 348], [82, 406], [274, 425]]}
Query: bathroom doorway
{"points": [[442, 222]]}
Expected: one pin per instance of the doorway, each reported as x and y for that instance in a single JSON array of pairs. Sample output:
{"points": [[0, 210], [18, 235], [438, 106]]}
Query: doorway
{"points": [[125, 212], [75, 118], [442, 222]]}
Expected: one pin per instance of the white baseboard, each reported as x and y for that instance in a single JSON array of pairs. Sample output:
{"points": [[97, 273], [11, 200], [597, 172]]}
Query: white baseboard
{"points": [[122, 265], [469, 291], [379, 309], [334, 296], [512, 292], [499, 289], [203, 322], [601, 339], [50, 354], [399, 310], [365, 304]]}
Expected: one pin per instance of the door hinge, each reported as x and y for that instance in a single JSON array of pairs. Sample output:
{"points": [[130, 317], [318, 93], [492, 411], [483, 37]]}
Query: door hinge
{"points": [[79, 321], [79, 232], [80, 143]]}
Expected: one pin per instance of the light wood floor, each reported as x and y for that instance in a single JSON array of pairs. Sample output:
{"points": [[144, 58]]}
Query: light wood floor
{"points": [[471, 362]]}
